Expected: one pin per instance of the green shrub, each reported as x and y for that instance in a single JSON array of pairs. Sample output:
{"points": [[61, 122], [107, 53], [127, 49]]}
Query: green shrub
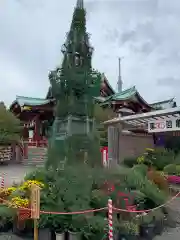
{"points": [[136, 181], [170, 169], [130, 161], [157, 178], [157, 158], [6, 215], [162, 157], [142, 168], [177, 159], [177, 170]]}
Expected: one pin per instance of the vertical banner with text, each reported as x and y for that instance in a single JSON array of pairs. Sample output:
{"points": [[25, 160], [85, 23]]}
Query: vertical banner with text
{"points": [[35, 202]]}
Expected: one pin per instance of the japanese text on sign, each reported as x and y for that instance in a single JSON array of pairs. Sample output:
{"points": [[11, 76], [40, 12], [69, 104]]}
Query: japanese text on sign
{"points": [[170, 124], [35, 202]]}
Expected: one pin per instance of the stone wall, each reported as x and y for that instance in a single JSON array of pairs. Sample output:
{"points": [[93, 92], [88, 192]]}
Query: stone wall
{"points": [[133, 145]]}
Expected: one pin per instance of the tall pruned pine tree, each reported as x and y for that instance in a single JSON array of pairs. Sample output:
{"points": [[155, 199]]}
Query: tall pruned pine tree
{"points": [[73, 85]]}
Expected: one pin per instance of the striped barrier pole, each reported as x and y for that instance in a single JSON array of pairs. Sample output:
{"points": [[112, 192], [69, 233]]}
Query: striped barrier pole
{"points": [[3, 180], [110, 222]]}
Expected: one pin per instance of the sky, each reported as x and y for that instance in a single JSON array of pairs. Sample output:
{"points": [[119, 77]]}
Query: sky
{"points": [[144, 33]]}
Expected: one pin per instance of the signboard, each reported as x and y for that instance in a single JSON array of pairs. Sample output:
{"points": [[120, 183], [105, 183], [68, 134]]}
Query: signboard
{"points": [[104, 152], [170, 124], [35, 202]]}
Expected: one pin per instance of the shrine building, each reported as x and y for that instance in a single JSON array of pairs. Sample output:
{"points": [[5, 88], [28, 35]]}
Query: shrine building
{"points": [[38, 113]]}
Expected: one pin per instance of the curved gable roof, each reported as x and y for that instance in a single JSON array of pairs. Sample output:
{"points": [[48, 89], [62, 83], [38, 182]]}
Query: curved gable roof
{"points": [[29, 101], [125, 95]]}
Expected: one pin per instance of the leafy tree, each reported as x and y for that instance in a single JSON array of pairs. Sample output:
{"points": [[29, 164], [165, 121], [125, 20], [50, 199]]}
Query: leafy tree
{"points": [[10, 126]]}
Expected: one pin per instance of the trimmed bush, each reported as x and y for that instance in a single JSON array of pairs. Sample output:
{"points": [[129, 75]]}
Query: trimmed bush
{"points": [[142, 168], [177, 170], [130, 161], [158, 179], [162, 158], [157, 158], [170, 169], [177, 159]]}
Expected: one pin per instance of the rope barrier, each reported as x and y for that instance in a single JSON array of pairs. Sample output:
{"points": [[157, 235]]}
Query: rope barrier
{"points": [[91, 210], [110, 212], [57, 213], [148, 210], [73, 213], [99, 209]]}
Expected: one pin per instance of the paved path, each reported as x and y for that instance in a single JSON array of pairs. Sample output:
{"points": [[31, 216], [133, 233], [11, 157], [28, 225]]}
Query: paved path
{"points": [[172, 233], [9, 236], [14, 173]]}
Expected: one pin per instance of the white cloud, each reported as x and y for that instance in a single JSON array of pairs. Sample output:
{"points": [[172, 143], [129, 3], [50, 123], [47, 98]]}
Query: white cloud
{"points": [[145, 32]]}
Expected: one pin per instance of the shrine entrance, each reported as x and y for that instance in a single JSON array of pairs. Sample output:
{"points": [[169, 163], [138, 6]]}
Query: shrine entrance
{"points": [[160, 121]]}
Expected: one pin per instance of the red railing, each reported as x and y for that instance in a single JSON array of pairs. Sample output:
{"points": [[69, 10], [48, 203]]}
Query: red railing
{"points": [[31, 143], [39, 143]]}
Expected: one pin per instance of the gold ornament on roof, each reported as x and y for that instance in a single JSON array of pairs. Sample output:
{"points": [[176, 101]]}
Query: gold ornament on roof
{"points": [[27, 108]]}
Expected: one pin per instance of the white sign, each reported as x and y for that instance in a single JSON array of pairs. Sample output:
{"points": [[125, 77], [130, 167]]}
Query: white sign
{"points": [[105, 158], [170, 124], [104, 152]]}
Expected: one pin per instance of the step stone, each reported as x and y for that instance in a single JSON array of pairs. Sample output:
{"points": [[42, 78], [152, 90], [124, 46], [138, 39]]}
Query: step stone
{"points": [[36, 156]]}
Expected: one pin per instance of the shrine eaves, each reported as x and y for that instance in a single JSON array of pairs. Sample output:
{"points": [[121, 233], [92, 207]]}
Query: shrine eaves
{"points": [[156, 121]]}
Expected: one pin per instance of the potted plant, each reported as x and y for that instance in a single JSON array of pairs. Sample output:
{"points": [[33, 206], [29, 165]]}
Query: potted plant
{"points": [[147, 226], [158, 218], [74, 235], [95, 227], [20, 203], [53, 226], [6, 218], [60, 223], [60, 234], [128, 231], [44, 226], [45, 234], [74, 228]]}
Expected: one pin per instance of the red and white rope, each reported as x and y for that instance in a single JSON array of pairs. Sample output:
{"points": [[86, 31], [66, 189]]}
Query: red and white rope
{"points": [[110, 219]]}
